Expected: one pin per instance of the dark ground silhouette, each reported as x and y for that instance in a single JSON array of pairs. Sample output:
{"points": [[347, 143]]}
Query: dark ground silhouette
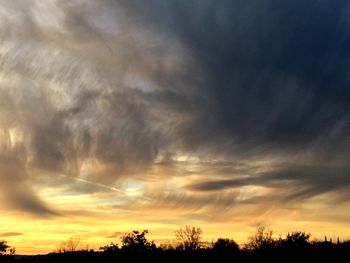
{"points": [[261, 246]]}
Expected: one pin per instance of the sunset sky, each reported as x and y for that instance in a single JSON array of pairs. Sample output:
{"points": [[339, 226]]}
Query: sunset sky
{"points": [[122, 115]]}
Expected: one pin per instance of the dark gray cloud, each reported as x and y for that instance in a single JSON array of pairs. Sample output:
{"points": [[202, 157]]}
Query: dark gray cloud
{"points": [[16, 190], [271, 73], [292, 182], [272, 79]]}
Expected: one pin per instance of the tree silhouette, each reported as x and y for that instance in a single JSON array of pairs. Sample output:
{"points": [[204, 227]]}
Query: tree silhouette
{"points": [[112, 248], [296, 239], [3, 246], [225, 246], [189, 238], [137, 242], [70, 245], [261, 240]]}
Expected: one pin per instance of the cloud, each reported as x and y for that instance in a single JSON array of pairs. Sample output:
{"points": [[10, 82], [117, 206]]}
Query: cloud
{"points": [[115, 235], [105, 92], [19, 195], [10, 234], [267, 88]]}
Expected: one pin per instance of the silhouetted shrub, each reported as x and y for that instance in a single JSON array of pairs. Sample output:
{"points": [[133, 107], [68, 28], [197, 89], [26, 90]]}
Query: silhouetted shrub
{"points": [[3, 246], [137, 242], [112, 248], [225, 246], [296, 240], [6, 249], [167, 246]]}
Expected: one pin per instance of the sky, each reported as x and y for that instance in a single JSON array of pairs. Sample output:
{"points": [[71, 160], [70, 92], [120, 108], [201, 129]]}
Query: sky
{"points": [[122, 115]]}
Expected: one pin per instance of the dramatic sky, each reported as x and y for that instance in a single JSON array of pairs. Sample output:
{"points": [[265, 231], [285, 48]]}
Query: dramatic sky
{"points": [[122, 115]]}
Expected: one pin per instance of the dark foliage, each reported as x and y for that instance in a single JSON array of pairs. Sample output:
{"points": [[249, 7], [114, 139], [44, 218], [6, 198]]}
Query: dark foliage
{"points": [[5, 249], [225, 246], [112, 248], [296, 240], [3, 246], [137, 242]]}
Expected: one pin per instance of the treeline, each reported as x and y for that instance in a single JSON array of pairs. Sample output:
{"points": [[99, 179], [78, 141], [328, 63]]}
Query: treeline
{"points": [[135, 247]]}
